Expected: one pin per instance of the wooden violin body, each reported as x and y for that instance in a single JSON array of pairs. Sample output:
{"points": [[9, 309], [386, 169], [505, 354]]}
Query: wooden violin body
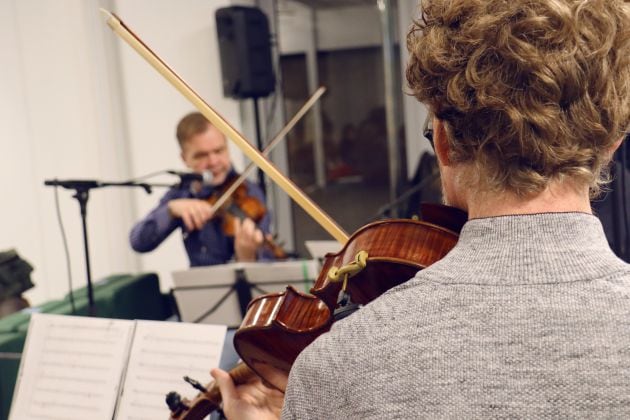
{"points": [[237, 203], [240, 204], [278, 327], [397, 250]]}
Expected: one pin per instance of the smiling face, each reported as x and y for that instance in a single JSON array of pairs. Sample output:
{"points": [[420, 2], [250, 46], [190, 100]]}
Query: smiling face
{"points": [[207, 151]]}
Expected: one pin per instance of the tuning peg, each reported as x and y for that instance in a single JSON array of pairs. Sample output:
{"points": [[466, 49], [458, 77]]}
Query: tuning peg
{"points": [[195, 384], [175, 404]]}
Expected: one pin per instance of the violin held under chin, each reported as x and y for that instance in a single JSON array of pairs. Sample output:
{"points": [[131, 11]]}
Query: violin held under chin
{"points": [[236, 208]]}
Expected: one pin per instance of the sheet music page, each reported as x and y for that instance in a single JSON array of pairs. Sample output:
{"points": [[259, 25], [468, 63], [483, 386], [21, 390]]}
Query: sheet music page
{"points": [[161, 354], [71, 368]]}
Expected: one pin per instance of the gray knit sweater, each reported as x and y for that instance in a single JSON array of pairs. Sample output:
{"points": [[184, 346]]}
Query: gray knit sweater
{"points": [[527, 317]]}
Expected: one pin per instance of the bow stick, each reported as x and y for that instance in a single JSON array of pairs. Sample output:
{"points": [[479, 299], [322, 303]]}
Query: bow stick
{"points": [[324, 220], [281, 134]]}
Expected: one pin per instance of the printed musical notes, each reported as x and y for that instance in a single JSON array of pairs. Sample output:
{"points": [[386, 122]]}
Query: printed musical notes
{"points": [[161, 355], [73, 367]]}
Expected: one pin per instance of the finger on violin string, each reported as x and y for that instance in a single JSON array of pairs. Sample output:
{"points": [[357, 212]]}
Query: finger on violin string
{"points": [[250, 233]]}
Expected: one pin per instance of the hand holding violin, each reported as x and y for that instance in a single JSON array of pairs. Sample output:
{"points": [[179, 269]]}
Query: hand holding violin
{"points": [[247, 239], [193, 212], [196, 213], [251, 400]]}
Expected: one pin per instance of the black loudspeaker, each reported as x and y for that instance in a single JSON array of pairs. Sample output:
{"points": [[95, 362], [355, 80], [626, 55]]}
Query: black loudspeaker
{"points": [[245, 48]]}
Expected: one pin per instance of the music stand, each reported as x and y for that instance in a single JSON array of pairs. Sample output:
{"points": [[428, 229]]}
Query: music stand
{"points": [[220, 294], [319, 249]]}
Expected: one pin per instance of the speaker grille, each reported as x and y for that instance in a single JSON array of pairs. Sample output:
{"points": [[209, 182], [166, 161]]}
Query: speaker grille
{"points": [[245, 49]]}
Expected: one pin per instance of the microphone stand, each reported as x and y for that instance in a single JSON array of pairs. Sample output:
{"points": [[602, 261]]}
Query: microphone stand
{"points": [[82, 194]]}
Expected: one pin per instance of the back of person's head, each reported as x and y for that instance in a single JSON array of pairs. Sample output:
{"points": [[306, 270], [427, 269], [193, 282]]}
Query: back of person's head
{"points": [[530, 91], [191, 125]]}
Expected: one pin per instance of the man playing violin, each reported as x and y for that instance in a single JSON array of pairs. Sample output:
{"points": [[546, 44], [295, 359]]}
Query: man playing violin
{"points": [[203, 149], [528, 316]]}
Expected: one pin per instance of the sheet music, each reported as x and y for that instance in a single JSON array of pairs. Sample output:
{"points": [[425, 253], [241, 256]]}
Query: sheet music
{"points": [[256, 272], [319, 249], [282, 271], [161, 354], [71, 368]]}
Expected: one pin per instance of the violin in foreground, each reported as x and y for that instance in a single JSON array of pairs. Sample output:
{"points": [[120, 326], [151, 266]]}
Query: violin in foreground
{"points": [[278, 326]]}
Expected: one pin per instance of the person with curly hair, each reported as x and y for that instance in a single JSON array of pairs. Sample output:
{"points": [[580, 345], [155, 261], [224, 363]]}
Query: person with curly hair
{"points": [[529, 315]]}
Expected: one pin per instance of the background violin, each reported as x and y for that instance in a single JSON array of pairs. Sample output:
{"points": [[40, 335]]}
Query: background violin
{"points": [[237, 203]]}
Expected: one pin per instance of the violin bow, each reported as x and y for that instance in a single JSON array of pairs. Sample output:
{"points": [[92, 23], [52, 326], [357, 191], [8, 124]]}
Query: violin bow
{"points": [[273, 143], [324, 220]]}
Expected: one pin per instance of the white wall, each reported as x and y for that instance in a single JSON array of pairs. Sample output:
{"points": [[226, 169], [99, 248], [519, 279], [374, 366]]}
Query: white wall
{"points": [[59, 117], [78, 103]]}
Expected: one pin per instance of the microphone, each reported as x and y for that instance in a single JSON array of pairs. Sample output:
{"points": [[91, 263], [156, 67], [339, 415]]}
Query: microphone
{"points": [[186, 177]]}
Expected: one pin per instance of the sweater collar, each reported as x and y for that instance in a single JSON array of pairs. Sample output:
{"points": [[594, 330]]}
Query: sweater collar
{"points": [[530, 249]]}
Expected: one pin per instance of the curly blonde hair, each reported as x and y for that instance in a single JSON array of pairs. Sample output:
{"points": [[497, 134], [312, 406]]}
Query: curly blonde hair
{"points": [[530, 91]]}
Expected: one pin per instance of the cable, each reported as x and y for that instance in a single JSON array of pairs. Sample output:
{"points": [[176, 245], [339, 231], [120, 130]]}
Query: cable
{"points": [[65, 247], [149, 175]]}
